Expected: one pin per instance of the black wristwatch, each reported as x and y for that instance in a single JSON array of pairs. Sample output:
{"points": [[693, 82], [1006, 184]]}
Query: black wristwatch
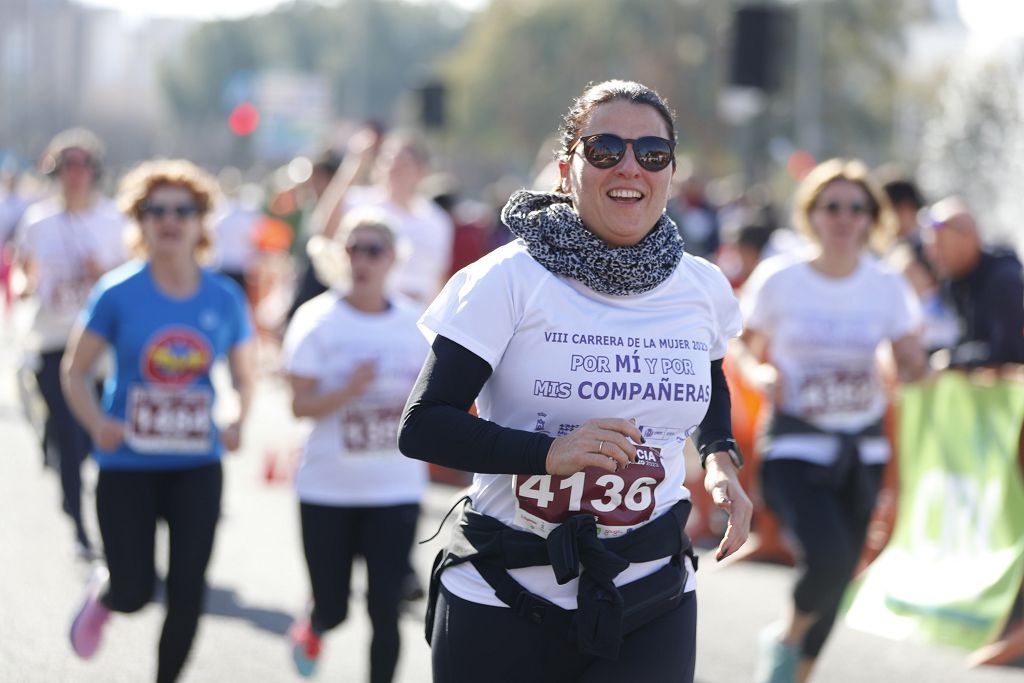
{"points": [[722, 445]]}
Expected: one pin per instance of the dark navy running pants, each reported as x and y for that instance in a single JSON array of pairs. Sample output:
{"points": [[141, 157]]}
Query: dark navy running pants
{"points": [[830, 524], [66, 436]]}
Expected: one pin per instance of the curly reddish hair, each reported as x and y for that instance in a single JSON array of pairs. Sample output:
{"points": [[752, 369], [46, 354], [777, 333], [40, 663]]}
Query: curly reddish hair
{"points": [[139, 183]]}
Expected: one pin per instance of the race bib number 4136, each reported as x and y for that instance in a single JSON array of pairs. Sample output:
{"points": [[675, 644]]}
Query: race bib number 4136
{"points": [[620, 500]]}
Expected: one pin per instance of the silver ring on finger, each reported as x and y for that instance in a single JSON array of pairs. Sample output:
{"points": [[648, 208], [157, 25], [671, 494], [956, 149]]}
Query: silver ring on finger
{"points": [[600, 447]]}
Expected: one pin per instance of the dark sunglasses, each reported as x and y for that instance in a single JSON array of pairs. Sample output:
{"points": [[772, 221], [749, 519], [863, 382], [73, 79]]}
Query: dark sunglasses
{"points": [[182, 211], [605, 150], [372, 251], [853, 208], [74, 162]]}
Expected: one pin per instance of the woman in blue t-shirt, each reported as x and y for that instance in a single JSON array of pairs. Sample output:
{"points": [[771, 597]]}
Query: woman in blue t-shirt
{"points": [[166, 320]]}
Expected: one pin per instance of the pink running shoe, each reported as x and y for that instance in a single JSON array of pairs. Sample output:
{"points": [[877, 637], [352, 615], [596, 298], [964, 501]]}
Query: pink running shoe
{"points": [[305, 646], [87, 628]]}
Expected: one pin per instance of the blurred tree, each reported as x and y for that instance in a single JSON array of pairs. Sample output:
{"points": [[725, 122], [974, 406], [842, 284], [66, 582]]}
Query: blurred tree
{"points": [[511, 71], [371, 51], [863, 47], [522, 61]]}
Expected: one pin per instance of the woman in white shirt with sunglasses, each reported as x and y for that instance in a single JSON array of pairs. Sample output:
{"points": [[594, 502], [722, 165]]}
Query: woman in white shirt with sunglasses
{"points": [[352, 355], [814, 322], [592, 346]]}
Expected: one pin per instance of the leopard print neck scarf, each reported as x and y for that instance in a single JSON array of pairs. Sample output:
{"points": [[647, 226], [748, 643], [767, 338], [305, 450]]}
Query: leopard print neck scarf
{"points": [[556, 237]]}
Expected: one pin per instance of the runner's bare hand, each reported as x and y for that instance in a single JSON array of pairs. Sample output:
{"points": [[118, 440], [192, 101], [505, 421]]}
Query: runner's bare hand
{"points": [[362, 376], [363, 146], [608, 443], [768, 381], [107, 434], [723, 485], [231, 436], [92, 268]]}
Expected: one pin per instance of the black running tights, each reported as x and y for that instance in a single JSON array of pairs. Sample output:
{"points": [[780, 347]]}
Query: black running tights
{"points": [[128, 504]]}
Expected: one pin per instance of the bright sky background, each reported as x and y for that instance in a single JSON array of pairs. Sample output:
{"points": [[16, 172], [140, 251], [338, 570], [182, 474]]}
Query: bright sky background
{"points": [[987, 19], [993, 19], [213, 9]]}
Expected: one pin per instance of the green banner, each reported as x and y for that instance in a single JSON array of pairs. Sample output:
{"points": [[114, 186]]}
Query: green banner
{"points": [[955, 561]]}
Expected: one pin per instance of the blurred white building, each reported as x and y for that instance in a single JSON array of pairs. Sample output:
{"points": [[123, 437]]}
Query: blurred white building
{"points": [[63, 64]]}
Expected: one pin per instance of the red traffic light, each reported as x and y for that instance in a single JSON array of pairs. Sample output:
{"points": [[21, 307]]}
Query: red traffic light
{"points": [[244, 119], [799, 164]]}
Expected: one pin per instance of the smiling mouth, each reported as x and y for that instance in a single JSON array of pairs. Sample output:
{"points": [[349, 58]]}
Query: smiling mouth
{"points": [[625, 196]]}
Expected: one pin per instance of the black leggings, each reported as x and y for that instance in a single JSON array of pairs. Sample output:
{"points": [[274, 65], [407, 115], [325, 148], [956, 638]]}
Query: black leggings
{"points": [[473, 642], [128, 504], [67, 436], [830, 525], [332, 537]]}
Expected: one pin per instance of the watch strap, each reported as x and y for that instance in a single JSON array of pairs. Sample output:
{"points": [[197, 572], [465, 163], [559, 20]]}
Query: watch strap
{"points": [[722, 445]]}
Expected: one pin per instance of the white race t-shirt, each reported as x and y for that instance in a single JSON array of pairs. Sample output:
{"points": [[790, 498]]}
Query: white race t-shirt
{"points": [[60, 243], [234, 246], [562, 354], [425, 235], [351, 457], [823, 334]]}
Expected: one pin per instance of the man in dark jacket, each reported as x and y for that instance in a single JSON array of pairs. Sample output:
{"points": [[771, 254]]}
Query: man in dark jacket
{"points": [[985, 286]]}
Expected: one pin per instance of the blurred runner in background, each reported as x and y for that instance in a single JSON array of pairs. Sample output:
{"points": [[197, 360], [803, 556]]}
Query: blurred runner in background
{"points": [[167, 320], [352, 355], [424, 232], [64, 244], [234, 228], [985, 286], [813, 325], [12, 208]]}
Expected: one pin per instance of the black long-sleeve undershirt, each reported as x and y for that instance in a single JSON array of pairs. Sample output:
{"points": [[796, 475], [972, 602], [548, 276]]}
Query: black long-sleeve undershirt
{"points": [[717, 422], [437, 427]]}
